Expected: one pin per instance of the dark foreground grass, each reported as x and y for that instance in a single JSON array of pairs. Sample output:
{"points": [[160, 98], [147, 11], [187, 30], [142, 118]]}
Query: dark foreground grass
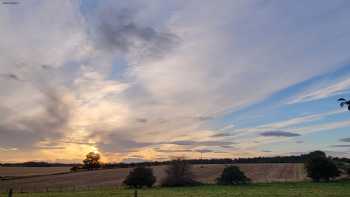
{"points": [[301, 189]]}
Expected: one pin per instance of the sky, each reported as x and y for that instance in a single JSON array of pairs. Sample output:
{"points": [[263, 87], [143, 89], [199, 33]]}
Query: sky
{"points": [[152, 80]]}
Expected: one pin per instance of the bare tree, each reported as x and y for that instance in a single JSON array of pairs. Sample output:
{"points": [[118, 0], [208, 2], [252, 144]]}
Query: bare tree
{"points": [[179, 173]]}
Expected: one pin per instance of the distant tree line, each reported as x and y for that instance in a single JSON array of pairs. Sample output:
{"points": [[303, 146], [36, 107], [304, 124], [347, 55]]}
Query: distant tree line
{"points": [[37, 164], [278, 159]]}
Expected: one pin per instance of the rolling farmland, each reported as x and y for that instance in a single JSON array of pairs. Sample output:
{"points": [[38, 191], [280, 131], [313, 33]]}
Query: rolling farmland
{"points": [[30, 171], [114, 177]]}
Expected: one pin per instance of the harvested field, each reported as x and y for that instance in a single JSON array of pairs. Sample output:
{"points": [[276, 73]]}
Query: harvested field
{"points": [[31, 171], [115, 177], [300, 189]]}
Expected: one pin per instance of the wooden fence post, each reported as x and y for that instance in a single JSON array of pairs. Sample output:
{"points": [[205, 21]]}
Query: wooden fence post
{"points": [[135, 193], [10, 192]]}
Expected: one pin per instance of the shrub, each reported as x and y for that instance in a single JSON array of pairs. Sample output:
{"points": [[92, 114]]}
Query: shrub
{"points": [[232, 175], [74, 168], [140, 177], [179, 173], [321, 168]]}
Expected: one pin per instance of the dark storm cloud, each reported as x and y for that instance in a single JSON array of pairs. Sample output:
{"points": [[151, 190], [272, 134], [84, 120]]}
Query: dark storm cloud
{"points": [[118, 30], [279, 134]]}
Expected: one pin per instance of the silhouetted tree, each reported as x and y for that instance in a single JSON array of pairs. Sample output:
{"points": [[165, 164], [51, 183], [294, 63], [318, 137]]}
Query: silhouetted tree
{"points": [[319, 167], [92, 161], [179, 173], [344, 102], [316, 154], [139, 177], [232, 175]]}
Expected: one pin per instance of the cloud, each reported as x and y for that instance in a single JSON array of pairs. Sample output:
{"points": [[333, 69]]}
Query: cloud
{"points": [[174, 150], [222, 135], [341, 146], [115, 28], [345, 140], [118, 143], [130, 75], [199, 143], [279, 134], [49, 123], [325, 91], [10, 76]]}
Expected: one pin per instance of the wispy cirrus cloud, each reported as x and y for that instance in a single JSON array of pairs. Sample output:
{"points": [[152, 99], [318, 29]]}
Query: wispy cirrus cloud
{"points": [[335, 88]]}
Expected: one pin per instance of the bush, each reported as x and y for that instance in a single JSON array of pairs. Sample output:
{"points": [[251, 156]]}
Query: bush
{"points": [[232, 175], [321, 168], [75, 169], [140, 177], [179, 173]]}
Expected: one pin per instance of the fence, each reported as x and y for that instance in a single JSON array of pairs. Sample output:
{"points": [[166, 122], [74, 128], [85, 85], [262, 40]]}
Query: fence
{"points": [[131, 193], [58, 189]]}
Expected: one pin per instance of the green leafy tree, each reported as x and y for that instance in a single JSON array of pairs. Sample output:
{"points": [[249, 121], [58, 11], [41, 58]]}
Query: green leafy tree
{"points": [[319, 167], [140, 177], [232, 175], [92, 161]]}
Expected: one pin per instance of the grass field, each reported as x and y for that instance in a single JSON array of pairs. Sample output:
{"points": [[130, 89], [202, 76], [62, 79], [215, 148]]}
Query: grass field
{"points": [[300, 189]]}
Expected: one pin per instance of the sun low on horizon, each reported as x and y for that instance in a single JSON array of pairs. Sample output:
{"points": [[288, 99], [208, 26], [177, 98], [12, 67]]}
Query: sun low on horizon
{"points": [[152, 80]]}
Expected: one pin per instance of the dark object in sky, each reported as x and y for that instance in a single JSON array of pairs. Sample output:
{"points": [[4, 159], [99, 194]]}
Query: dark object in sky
{"points": [[344, 102]]}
